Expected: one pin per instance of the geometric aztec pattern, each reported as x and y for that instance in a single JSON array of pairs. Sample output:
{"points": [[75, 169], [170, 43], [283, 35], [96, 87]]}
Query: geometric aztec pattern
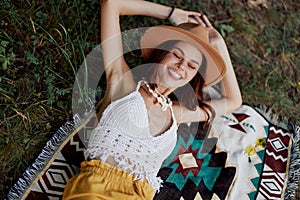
{"points": [[259, 167], [55, 179], [196, 169], [201, 174], [275, 168], [52, 183]]}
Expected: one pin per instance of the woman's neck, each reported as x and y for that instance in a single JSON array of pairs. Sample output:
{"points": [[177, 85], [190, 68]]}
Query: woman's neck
{"points": [[164, 90], [160, 89]]}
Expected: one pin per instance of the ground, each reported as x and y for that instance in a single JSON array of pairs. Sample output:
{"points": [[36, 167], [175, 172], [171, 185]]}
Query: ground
{"points": [[43, 43]]}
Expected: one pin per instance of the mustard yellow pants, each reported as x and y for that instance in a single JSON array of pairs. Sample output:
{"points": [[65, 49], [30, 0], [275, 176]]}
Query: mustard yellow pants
{"points": [[97, 180]]}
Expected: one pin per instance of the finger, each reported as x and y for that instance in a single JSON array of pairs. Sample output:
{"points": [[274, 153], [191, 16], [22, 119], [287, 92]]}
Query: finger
{"points": [[192, 20], [202, 21], [195, 14], [206, 21], [196, 19]]}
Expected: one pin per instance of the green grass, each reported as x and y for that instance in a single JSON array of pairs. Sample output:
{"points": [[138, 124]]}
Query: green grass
{"points": [[43, 43]]}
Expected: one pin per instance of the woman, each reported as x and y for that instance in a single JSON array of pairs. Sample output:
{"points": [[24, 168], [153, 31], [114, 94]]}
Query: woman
{"points": [[138, 121]]}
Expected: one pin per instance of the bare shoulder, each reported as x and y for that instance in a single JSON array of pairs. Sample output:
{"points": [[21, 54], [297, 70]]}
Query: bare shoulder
{"points": [[184, 115]]}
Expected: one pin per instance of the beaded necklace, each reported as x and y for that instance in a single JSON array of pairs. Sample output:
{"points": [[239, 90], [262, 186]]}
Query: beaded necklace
{"points": [[165, 102]]}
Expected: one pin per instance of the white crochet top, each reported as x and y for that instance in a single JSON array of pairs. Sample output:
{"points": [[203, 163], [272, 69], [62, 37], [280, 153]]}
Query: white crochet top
{"points": [[123, 133]]}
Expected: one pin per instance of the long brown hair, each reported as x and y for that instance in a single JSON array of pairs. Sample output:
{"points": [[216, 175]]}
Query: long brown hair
{"points": [[191, 94]]}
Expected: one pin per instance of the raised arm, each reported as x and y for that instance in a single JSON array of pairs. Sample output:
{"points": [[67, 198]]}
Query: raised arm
{"points": [[114, 62]]}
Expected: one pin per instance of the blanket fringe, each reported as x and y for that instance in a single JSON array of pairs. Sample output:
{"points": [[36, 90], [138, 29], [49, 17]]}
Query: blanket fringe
{"points": [[283, 122], [19, 188], [294, 169]]}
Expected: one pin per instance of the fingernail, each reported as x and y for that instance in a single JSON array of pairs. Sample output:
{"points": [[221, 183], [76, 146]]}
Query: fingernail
{"points": [[204, 25]]}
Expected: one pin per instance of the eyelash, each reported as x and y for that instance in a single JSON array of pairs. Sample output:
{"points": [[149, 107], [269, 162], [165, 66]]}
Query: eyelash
{"points": [[180, 57], [191, 66], [177, 55]]}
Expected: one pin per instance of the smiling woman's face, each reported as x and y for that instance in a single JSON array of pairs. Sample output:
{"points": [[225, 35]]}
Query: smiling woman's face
{"points": [[180, 65]]}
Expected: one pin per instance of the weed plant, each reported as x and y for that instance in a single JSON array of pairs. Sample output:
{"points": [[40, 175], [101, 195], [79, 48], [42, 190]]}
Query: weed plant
{"points": [[43, 43]]}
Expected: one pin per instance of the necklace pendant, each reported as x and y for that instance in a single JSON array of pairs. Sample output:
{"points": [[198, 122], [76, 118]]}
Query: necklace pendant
{"points": [[159, 99], [164, 107]]}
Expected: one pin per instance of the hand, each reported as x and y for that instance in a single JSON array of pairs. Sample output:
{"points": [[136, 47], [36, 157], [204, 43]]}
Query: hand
{"points": [[180, 16]]}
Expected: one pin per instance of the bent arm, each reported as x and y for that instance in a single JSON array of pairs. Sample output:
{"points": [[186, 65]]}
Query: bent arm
{"points": [[230, 92]]}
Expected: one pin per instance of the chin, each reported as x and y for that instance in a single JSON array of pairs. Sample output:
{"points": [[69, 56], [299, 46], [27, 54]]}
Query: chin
{"points": [[174, 84]]}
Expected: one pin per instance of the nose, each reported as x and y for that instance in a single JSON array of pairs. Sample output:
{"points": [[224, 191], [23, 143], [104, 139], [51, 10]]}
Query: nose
{"points": [[181, 63]]}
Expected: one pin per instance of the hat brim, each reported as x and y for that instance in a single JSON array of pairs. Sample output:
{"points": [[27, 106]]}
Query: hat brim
{"points": [[156, 35]]}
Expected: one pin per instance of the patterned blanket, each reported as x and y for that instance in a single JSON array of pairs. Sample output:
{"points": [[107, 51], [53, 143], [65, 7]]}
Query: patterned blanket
{"points": [[242, 155]]}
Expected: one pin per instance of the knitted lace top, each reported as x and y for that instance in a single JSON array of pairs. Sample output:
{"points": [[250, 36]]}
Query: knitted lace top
{"points": [[123, 133]]}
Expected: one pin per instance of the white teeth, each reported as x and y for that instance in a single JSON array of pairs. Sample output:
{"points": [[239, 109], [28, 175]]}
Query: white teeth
{"points": [[175, 74]]}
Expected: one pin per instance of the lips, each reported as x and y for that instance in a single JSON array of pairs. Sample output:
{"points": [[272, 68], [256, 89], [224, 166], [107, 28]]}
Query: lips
{"points": [[174, 74]]}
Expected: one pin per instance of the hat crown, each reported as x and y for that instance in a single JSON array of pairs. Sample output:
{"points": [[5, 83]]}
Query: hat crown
{"points": [[197, 29]]}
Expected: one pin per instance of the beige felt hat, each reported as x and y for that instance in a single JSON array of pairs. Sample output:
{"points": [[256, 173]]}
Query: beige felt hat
{"points": [[192, 33]]}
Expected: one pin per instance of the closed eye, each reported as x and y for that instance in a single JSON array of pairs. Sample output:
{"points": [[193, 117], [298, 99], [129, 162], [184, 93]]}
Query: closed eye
{"points": [[192, 66], [177, 55]]}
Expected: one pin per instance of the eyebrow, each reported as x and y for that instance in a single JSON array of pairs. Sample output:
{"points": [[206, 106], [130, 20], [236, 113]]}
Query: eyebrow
{"points": [[181, 51]]}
